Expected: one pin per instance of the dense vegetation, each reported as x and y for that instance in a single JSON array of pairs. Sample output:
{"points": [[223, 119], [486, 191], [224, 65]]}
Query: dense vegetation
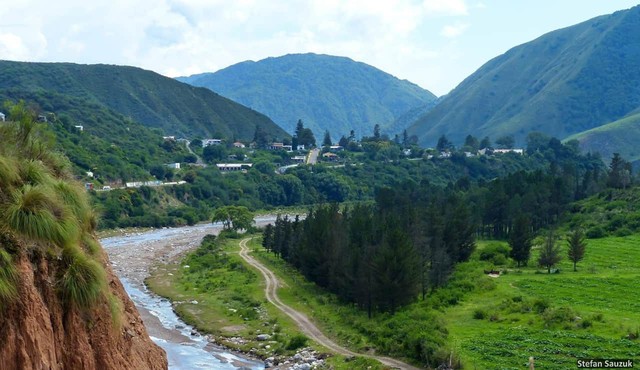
{"points": [[326, 92], [142, 96], [46, 215], [374, 165], [562, 83]]}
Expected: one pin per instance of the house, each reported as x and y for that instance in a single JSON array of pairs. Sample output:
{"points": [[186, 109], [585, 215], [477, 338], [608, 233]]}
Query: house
{"points": [[330, 157], [445, 154], [503, 151], [280, 146], [169, 138], [238, 144], [300, 147], [175, 166], [298, 159], [79, 127], [2, 117], [336, 148], [231, 167], [90, 174], [42, 118], [406, 152], [208, 142]]}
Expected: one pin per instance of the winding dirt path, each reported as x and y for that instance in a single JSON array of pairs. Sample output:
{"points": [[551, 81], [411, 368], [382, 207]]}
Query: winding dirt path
{"points": [[303, 322]]}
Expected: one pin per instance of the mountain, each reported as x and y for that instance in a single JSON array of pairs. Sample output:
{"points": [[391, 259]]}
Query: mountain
{"points": [[620, 136], [326, 92], [562, 83], [143, 96]]}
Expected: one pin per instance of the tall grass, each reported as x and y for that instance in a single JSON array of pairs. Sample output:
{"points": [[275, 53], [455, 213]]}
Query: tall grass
{"points": [[8, 278], [35, 212], [84, 280], [8, 172]]}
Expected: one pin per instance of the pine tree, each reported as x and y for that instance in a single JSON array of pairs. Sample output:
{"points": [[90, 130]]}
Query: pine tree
{"points": [[327, 139], [550, 252], [520, 239], [577, 245]]}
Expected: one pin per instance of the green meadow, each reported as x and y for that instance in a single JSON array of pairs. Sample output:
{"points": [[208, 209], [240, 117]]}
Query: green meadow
{"points": [[556, 318]]}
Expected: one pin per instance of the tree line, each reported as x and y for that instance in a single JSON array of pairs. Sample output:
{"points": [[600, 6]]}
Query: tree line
{"points": [[378, 256]]}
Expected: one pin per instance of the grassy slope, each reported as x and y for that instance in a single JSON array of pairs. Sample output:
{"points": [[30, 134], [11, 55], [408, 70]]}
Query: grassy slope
{"points": [[145, 96], [620, 136], [599, 293], [561, 83], [326, 92]]}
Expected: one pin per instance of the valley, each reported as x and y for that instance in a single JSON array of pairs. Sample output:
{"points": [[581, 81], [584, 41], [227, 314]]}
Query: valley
{"points": [[301, 210]]}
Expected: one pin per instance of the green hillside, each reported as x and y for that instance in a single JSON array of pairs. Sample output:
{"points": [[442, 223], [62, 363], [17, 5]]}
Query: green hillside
{"points": [[565, 82], [143, 96], [620, 136], [326, 92]]}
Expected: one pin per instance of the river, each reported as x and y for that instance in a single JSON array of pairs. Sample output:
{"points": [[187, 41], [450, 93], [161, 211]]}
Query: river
{"points": [[132, 255]]}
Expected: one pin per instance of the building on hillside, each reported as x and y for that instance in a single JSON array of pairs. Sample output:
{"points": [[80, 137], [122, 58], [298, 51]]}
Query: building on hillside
{"points": [[336, 148], [503, 151], [300, 147], [42, 118], [298, 159], [2, 117], [280, 146], [208, 142], [231, 167], [330, 157], [169, 138], [175, 166], [238, 144], [79, 127], [90, 174]]}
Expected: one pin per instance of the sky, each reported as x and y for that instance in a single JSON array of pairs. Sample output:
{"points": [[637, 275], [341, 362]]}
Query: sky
{"points": [[433, 43]]}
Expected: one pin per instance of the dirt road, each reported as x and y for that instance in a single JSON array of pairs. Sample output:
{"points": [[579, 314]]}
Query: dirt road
{"points": [[303, 322]]}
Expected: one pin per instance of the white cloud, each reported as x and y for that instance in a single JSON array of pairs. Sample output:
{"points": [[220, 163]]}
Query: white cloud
{"points": [[454, 30], [445, 7]]}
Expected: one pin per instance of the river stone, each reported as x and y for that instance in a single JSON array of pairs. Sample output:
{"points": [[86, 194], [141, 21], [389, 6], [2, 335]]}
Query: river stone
{"points": [[262, 337]]}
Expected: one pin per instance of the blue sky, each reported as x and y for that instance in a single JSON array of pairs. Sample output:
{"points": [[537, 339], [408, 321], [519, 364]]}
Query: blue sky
{"points": [[434, 43]]}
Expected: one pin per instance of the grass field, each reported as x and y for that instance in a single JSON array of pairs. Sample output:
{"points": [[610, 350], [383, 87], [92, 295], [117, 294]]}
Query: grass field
{"points": [[557, 318]]}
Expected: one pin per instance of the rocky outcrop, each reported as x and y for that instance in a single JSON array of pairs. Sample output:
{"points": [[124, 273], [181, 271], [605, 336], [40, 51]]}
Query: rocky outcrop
{"points": [[39, 331]]}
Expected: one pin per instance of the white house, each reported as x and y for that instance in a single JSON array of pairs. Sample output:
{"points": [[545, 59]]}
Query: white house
{"points": [[238, 144], [169, 138], [175, 166], [79, 127], [230, 167], [207, 142], [503, 151], [2, 117], [298, 159]]}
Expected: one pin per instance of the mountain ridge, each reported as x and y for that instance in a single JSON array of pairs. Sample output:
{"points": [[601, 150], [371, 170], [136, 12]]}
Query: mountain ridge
{"points": [[561, 83], [326, 92]]}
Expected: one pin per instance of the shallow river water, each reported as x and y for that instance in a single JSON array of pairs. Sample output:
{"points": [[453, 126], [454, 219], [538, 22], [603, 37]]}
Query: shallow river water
{"points": [[184, 350]]}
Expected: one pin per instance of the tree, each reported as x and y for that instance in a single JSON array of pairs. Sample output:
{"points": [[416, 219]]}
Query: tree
{"points": [[520, 239], [376, 132], [485, 143], [506, 142], [260, 137], [327, 139], [577, 245], [444, 144], [619, 172], [550, 252], [471, 143], [233, 217]]}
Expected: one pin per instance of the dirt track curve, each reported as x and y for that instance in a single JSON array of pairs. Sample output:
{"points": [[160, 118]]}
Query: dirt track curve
{"points": [[303, 322]]}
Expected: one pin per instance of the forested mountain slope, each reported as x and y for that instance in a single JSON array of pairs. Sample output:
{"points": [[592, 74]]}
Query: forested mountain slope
{"points": [[565, 82], [326, 92]]}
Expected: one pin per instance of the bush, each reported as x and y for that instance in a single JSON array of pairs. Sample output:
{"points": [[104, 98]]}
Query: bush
{"points": [[8, 278], [496, 253], [297, 341], [596, 232], [479, 314], [83, 281], [540, 305]]}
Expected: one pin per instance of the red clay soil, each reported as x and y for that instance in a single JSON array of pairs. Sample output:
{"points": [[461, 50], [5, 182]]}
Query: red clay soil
{"points": [[38, 332]]}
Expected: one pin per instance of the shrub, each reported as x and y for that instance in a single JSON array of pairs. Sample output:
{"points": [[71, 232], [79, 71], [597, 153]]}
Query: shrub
{"points": [[540, 305], [8, 278], [115, 308], [83, 281], [596, 232], [297, 341], [8, 172], [497, 253], [479, 314]]}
